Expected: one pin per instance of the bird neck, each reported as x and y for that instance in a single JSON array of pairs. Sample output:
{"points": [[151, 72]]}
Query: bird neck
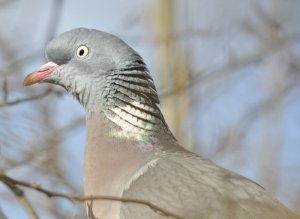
{"points": [[129, 100], [124, 133]]}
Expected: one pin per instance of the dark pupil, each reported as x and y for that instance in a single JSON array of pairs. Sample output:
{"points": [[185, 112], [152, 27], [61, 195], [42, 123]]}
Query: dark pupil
{"points": [[81, 52]]}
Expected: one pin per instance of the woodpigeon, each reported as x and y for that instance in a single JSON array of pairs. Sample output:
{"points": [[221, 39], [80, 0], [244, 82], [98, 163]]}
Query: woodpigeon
{"points": [[130, 151]]}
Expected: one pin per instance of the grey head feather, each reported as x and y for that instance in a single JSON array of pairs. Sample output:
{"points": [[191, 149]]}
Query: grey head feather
{"points": [[111, 78]]}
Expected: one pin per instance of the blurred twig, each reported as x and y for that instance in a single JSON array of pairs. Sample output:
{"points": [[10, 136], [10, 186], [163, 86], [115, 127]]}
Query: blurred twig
{"points": [[22, 198], [10, 68], [55, 16], [5, 89], [30, 98], [4, 3], [221, 73], [8, 180], [2, 215], [176, 36]]}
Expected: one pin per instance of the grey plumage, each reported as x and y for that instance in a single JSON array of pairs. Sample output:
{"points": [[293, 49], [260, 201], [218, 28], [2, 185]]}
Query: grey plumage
{"points": [[130, 151]]}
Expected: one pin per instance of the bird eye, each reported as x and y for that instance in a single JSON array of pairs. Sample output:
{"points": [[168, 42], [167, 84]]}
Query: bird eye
{"points": [[82, 51]]}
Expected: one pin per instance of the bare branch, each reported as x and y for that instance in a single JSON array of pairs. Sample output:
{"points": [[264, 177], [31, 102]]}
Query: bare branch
{"points": [[176, 36], [5, 89], [30, 98], [56, 11], [9, 69], [8, 180], [22, 198], [2, 215], [4, 3]]}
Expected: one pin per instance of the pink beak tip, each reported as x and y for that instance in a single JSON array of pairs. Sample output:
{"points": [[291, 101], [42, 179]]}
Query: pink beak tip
{"points": [[38, 75]]}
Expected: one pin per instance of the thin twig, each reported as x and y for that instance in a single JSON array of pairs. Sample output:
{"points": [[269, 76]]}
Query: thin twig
{"points": [[56, 12], [34, 97], [5, 89], [23, 200], [2, 215], [9, 69], [6, 179]]}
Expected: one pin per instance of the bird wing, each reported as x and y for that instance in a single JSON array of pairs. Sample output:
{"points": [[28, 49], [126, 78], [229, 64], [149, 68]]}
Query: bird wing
{"points": [[193, 188]]}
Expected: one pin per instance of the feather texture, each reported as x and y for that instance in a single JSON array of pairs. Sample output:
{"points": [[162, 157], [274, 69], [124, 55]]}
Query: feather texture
{"points": [[130, 151]]}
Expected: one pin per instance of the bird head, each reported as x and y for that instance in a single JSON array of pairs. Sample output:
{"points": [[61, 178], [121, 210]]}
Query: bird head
{"points": [[105, 75], [80, 60], [81, 54]]}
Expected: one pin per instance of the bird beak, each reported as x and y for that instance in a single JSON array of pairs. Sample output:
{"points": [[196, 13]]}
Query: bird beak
{"points": [[40, 74]]}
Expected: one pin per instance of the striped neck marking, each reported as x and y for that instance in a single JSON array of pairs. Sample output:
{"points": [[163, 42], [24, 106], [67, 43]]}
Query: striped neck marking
{"points": [[131, 102]]}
